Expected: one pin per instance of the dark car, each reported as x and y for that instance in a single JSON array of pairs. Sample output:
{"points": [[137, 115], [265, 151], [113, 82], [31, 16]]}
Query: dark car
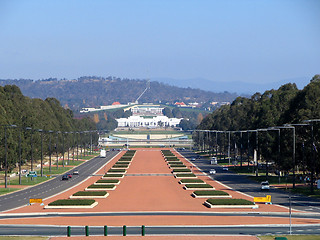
{"points": [[65, 177]]}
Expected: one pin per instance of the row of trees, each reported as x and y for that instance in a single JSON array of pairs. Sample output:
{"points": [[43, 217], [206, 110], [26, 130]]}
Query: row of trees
{"points": [[32, 121], [287, 105]]}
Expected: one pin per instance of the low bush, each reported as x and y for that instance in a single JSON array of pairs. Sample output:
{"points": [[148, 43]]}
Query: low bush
{"points": [[113, 175], [108, 181], [72, 202], [90, 193], [210, 193], [177, 166], [116, 170], [119, 166], [229, 201], [182, 175], [101, 186], [198, 186], [191, 181], [175, 162], [181, 170]]}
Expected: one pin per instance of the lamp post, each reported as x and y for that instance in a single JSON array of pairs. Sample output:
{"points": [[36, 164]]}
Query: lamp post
{"points": [[6, 154], [41, 167], [50, 150], [20, 156], [57, 152], [267, 162]]}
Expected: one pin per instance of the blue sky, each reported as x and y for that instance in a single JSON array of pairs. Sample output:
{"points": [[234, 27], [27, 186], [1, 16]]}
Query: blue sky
{"points": [[228, 40]]}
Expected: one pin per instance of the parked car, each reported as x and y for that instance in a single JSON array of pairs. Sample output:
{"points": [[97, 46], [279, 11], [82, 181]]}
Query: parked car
{"points": [[265, 186], [212, 171], [76, 172], [65, 177]]}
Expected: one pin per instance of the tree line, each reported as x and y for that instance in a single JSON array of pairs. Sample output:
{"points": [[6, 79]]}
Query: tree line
{"points": [[273, 108], [26, 119]]}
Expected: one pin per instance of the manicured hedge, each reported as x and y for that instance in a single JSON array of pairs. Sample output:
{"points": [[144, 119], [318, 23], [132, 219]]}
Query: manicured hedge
{"points": [[101, 186], [175, 162], [89, 193], [185, 175], [229, 201], [113, 175], [210, 193], [117, 170], [178, 166], [191, 181], [120, 166], [108, 181], [72, 202], [181, 170], [198, 186]]}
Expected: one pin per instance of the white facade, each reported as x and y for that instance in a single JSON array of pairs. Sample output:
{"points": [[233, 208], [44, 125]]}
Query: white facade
{"points": [[156, 121]]}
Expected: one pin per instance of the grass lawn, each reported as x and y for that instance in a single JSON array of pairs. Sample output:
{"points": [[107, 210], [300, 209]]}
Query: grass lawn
{"points": [[71, 162], [271, 179], [305, 190], [23, 238], [7, 190], [28, 181], [292, 237]]}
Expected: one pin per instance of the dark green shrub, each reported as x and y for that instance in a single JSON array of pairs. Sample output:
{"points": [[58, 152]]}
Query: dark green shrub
{"points": [[210, 193], [90, 193], [72, 202], [229, 201], [198, 186], [108, 181], [191, 181], [101, 186]]}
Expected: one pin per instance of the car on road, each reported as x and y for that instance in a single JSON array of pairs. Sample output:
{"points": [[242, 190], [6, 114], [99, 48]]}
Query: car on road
{"points": [[212, 171], [193, 159], [225, 168], [75, 172], [265, 186], [65, 177], [69, 175]]}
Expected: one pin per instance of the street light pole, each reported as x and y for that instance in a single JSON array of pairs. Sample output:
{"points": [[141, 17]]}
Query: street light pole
{"points": [[6, 155], [41, 167]]}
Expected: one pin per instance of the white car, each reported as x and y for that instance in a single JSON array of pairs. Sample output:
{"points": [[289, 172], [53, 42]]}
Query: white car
{"points": [[225, 168], [265, 186], [212, 171]]}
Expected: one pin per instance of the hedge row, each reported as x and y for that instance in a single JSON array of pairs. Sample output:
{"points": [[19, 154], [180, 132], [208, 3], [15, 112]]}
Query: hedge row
{"points": [[185, 181], [229, 201], [108, 181], [90, 193], [102, 186], [198, 186], [210, 193], [72, 202]]}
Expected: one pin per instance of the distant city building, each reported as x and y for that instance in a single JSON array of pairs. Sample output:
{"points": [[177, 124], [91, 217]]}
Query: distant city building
{"points": [[148, 121], [146, 110]]}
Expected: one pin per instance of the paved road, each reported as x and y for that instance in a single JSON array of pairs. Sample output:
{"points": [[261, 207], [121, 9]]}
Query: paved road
{"points": [[54, 186], [245, 185], [161, 230]]}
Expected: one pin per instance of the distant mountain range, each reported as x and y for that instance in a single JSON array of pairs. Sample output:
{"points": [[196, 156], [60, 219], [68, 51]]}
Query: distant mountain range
{"points": [[92, 91], [241, 88]]}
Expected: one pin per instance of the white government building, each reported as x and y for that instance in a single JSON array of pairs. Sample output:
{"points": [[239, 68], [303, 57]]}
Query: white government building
{"points": [[148, 121]]}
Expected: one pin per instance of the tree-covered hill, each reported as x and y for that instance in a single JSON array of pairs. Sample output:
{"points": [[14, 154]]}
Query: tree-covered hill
{"points": [[272, 108], [97, 91]]}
